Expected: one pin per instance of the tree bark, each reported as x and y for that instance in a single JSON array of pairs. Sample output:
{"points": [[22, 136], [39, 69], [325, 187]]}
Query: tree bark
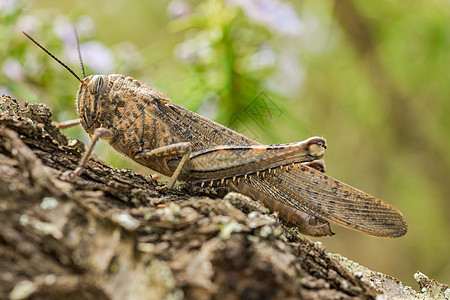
{"points": [[110, 235]]}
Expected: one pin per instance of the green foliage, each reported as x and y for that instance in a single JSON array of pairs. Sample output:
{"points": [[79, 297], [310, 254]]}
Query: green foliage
{"points": [[219, 53]]}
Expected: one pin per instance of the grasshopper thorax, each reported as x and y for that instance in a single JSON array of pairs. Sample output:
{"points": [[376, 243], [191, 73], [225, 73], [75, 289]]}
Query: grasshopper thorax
{"points": [[92, 91]]}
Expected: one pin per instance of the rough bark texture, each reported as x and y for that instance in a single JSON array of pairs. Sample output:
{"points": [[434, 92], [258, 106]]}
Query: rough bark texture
{"points": [[110, 235]]}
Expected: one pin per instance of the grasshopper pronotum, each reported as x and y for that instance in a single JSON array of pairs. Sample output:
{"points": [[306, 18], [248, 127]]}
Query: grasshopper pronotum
{"points": [[144, 125]]}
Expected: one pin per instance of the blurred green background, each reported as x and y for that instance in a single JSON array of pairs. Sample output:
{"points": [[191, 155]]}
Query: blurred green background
{"points": [[371, 77]]}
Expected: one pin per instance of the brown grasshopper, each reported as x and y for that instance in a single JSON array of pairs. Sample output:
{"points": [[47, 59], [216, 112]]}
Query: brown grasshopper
{"points": [[142, 124]]}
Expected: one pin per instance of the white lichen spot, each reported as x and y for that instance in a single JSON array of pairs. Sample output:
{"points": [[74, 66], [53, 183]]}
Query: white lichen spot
{"points": [[318, 245], [253, 238], [24, 220], [146, 247], [345, 284], [47, 229], [358, 274], [278, 231], [49, 203], [253, 214], [266, 231], [228, 229], [418, 276], [169, 213], [72, 143], [22, 290], [50, 279], [126, 220]]}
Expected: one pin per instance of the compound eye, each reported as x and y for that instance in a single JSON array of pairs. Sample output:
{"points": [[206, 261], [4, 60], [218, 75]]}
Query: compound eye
{"points": [[97, 85]]}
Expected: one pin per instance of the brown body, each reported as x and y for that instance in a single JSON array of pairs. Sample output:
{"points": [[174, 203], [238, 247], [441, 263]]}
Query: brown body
{"points": [[174, 141]]}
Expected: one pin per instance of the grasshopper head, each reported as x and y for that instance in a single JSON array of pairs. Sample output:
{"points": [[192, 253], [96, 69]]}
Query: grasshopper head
{"points": [[90, 95]]}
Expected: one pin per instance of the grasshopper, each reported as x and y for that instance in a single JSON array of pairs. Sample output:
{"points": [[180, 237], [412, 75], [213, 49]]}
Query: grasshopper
{"points": [[144, 125]]}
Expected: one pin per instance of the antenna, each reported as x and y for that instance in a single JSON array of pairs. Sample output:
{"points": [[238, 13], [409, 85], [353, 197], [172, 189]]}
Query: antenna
{"points": [[79, 51], [52, 56]]}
